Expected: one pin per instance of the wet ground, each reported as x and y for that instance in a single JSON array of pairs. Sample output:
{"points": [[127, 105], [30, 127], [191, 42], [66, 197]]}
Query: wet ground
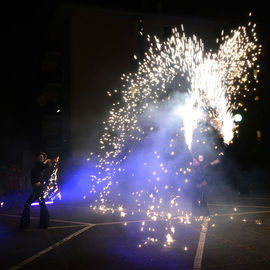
{"points": [[237, 236]]}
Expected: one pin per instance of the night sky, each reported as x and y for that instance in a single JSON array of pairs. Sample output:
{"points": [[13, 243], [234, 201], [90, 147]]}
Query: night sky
{"points": [[23, 39]]}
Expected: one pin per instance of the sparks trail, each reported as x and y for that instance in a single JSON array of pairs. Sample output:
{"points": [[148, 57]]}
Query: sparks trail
{"points": [[210, 84], [52, 190]]}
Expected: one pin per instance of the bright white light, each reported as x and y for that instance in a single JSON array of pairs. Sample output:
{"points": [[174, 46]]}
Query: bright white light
{"points": [[238, 118], [190, 115], [36, 203]]}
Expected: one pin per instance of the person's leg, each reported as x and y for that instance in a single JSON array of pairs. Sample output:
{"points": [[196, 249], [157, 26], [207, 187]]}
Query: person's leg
{"points": [[25, 218], [44, 214], [196, 203], [204, 206]]}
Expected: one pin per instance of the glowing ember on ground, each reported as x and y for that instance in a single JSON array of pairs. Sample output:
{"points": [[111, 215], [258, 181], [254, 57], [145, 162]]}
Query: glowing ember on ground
{"points": [[258, 222], [169, 238]]}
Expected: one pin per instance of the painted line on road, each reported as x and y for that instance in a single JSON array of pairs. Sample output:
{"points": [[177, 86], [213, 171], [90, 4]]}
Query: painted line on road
{"points": [[55, 227], [67, 226], [241, 213], [136, 221], [255, 198], [246, 206], [46, 250], [97, 224], [81, 223], [52, 219], [72, 222], [122, 222], [199, 253]]}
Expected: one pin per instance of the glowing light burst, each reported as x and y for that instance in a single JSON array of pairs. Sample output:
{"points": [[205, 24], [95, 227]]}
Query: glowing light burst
{"points": [[190, 115], [52, 190], [209, 88], [214, 82]]}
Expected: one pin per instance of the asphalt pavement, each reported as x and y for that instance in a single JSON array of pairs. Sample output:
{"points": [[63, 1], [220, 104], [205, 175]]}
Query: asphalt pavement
{"points": [[237, 236]]}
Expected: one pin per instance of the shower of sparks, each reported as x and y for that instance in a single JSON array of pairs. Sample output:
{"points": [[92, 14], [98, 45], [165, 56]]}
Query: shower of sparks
{"points": [[213, 81], [52, 190], [190, 116]]}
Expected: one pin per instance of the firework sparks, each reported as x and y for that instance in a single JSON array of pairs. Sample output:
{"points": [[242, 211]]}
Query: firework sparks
{"points": [[213, 81], [52, 190], [169, 239], [190, 115]]}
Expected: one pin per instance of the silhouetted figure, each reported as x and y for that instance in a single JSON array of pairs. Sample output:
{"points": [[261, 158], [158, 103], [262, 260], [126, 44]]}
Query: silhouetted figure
{"points": [[198, 179], [38, 176]]}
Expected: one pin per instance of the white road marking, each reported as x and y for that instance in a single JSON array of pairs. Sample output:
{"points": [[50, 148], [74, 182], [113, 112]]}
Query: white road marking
{"points": [[46, 250], [136, 221], [199, 253], [256, 198], [7, 215], [56, 227], [244, 206], [55, 220], [97, 224], [67, 226], [72, 222], [122, 222], [242, 213]]}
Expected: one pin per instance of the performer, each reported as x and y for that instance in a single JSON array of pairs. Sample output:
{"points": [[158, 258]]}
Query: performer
{"points": [[38, 176], [198, 179]]}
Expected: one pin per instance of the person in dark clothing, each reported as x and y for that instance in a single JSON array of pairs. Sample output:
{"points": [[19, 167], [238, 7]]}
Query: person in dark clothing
{"points": [[38, 176], [198, 178]]}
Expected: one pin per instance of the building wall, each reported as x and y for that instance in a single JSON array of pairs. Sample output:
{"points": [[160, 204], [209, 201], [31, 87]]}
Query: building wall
{"points": [[101, 49]]}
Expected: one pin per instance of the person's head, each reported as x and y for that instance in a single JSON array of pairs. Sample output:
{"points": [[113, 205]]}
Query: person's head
{"points": [[201, 158], [195, 162], [41, 156]]}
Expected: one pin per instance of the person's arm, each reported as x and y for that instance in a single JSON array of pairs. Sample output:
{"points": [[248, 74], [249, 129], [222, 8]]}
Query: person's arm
{"points": [[48, 161], [202, 184], [216, 161]]}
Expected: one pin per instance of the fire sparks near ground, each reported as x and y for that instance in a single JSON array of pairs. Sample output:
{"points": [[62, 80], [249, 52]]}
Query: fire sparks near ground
{"points": [[179, 91]]}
